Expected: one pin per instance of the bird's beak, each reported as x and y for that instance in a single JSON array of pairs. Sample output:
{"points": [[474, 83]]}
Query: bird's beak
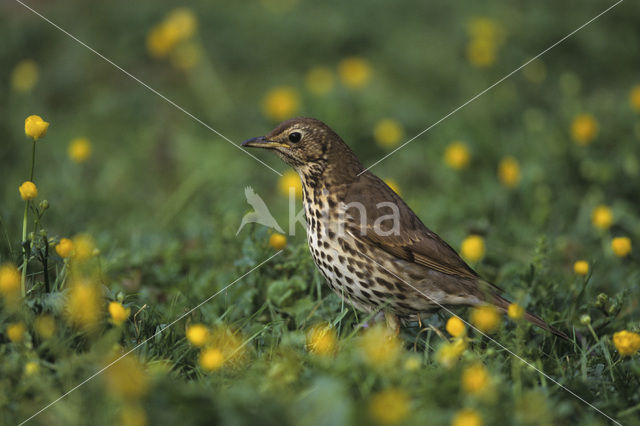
{"points": [[262, 142]]}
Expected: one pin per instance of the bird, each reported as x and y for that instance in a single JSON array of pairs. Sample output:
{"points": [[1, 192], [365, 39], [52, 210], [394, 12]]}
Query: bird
{"points": [[260, 213], [372, 249]]}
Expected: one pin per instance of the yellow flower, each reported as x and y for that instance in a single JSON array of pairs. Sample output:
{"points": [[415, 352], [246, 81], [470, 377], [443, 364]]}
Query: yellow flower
{"points": [[485, 28], [455, 327], [230, 343], [126, 378], [211, 359], [281, 103], [584, 129], [322, 340], [581, 267], [621, 246], [602, 217], [412, 363], [28, 190], [83, 247], [197, 334], [45, 326], [457, 155], [390, 406], [449, 352], [35, 127], [183, 22], [509, 172], [515, 311], [380, 347], [290, 179], [467, 417], [475, 379], [388, 133], [79, 150], [64, 248], [9, 280], [634, 97], [15, 332], [83, 305], [133, 415], [24, 76], [31, 368], [473, 248], [354, 72], [481, 53], [319, 80], [160, 40], [486, 318], [278, 241], [119, 313], [186, 56], [393, 185], [626, 342]]}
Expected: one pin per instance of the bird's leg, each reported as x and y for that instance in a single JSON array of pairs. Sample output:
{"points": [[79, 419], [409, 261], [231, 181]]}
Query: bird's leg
{"points": [[392, 322]]}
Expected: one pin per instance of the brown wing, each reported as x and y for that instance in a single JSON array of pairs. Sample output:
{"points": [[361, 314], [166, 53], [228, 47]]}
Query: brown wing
{"points": [[414, 242]]}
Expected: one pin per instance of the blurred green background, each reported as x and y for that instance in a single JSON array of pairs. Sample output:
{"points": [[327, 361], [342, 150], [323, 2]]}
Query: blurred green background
{"points": [[163, 195]]}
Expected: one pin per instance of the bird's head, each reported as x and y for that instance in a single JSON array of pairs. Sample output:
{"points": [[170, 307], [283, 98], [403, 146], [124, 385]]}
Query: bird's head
{"points": [[303, 143]]}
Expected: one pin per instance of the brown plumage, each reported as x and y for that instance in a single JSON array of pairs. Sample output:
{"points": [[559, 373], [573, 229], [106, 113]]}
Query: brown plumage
{"points": [[370, 246]]}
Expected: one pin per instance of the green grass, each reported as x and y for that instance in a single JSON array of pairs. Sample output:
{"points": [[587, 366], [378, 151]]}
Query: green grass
{"points": [[163, 196]]}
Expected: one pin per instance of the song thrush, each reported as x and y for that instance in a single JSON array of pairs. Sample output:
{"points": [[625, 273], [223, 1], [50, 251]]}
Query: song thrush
{"points": [[370, 246]]}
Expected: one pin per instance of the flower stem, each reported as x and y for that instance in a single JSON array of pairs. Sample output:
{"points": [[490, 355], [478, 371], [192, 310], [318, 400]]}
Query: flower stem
{"points": [[25, 254]]}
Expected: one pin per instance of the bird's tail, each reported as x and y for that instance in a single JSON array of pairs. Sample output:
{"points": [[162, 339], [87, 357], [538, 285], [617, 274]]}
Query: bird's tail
{"points": [[503, 304]]}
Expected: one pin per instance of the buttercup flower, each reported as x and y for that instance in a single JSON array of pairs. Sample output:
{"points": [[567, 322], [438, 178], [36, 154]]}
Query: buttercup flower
{"points": [[31, 368], [290, 179], [621, 246], [198, 335], [457, 155], [379, 346], [278, 241], [481, 53], [509, 172], [634, 98], [83, 247], [475, 379], [322, 340], [515, 311], [83, 305], [584, 129], [602, 217], [486, 318], [64, 248], [473, 248], [179, 25], [28, 190], [354, 72], [455, 327], [9, 280], [45, 326], [24, 76], [388, 133], [467, 418], [581, 267], [626, 342], [182, 22], [79, 150], [390, 406], [319, 80], [393, 185], [211, 359], [280, 103], [119, 313], [15, 332], [35, 127], [449, 352], [126, 378]]}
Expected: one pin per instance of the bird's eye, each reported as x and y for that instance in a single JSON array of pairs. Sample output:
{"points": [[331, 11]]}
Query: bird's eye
{"points": [[295, 137]]}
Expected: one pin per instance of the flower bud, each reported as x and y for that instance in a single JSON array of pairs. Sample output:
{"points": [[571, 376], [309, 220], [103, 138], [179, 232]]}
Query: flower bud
{"points": [[602, 300], [44, 205], [35, 127], [585, 319]]}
